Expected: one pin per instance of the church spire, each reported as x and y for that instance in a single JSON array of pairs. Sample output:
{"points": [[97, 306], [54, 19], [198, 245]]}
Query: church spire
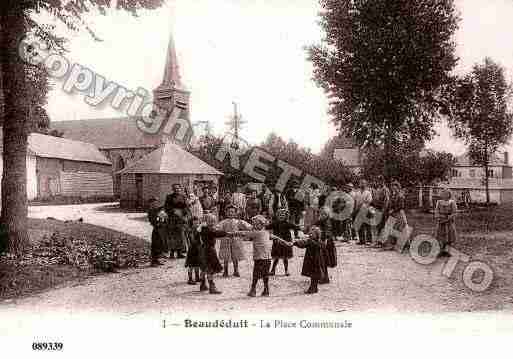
{"points": [[171, 79]]}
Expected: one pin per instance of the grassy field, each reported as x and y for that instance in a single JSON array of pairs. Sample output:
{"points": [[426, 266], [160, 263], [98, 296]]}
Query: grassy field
{"points": [[66, 252], [484, 235]]}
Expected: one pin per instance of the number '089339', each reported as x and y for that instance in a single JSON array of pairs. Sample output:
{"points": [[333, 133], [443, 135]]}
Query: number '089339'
{"points": [[47, 346]]}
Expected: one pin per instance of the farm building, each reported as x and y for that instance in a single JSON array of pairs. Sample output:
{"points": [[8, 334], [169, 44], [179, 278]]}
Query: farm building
{"points": [[62, 167], [154, 174]]}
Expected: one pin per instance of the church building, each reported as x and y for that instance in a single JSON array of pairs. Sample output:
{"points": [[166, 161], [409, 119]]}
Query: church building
{"points": [[122, 142]]}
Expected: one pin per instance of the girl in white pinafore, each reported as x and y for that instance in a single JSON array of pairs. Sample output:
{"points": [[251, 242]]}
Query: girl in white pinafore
{"points": [[232, 248]]}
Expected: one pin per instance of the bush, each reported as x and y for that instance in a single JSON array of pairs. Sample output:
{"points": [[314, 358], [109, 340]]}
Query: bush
{"points": [[102, 255]]}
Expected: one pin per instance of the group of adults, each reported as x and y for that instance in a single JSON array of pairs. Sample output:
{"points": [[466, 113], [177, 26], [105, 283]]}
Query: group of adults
{"points": [[379, 203], [174, 219], [302, 204]]}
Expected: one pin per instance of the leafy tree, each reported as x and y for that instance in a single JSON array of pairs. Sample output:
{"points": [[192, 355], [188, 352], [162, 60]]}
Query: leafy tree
{"points": [[325, 168], [330, 171], [411, 165], [334, 143], [480, 114], [16, 20], [383, 65]]}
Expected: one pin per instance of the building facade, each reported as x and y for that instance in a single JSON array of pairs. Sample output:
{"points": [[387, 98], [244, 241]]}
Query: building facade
{"points": [[62, 167], [154, 175]]}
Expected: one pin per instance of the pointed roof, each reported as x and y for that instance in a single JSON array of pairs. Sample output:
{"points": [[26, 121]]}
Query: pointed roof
{"points": [[171, 78], [171, 159]]}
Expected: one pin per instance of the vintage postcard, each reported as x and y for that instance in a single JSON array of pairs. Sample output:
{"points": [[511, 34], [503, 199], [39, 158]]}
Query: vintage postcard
{"points": [[278, 177]]}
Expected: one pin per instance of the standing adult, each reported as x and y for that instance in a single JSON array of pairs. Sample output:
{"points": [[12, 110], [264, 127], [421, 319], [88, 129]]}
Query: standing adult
{"points": [[380, 202], [397, 215], [278, 201], [194, 203], [356, 194], [312, 205], [208, 201], [336, 205], [239, 201], [266, 197], [365, 230], [179, 217], [445, 214], [253, 205], [295, 199], [225, 202]]}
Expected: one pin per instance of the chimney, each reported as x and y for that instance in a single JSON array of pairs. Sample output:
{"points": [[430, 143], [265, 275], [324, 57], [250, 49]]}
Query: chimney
{"points": [[506, 158]]}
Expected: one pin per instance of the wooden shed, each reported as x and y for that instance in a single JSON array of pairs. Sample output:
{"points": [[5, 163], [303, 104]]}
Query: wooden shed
{"points": [[154, 175], [61, 167]]}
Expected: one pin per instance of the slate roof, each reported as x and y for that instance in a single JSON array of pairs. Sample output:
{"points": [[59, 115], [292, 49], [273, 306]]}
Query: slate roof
{"points": [[171, 159], [105, 133], [56, 147]]}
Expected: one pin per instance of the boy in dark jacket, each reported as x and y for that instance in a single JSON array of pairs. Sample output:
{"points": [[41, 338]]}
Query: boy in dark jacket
{"points": [[313, 262]]}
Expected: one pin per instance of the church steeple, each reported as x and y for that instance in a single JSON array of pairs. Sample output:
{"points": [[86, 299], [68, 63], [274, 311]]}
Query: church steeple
{"points": [[171, 88], [172, 95], [171, 78]]}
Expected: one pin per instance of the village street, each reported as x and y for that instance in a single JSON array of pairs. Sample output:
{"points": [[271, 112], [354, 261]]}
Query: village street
{"points": [[365, 280]]}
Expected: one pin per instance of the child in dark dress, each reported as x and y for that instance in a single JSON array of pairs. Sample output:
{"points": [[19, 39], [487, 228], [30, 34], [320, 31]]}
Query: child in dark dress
{"points": [[193, 259], [282, 228], [328, 251], [210, 264], [157, 218], [261, 252], [313, 266]]}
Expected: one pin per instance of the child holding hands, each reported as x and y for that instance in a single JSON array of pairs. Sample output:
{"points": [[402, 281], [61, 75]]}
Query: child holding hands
{"points": [[231, 247], [261, 252], [209, 263], [313, 262]]}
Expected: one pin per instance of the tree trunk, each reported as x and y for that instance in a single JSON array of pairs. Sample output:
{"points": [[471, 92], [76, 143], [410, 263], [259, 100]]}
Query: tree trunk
{"points": [[388, 156], [15, 129], [487, 189]]}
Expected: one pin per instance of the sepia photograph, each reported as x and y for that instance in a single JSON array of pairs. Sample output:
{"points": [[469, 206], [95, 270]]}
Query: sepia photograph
{"points": [[256, 177]]}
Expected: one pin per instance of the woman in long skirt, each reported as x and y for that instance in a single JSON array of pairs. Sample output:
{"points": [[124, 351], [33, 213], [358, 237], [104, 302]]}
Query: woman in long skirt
{"points": [[178, 226], [445, 214]]}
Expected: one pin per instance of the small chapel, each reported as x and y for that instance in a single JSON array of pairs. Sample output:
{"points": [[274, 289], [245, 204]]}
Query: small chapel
{"points": [[130, 150]]}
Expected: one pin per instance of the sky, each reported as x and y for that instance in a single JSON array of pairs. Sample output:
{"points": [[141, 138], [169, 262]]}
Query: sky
{"points": [[251, 52]]}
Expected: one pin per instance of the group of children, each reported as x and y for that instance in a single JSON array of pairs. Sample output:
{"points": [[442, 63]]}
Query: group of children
{"points": [[272, 240]]}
